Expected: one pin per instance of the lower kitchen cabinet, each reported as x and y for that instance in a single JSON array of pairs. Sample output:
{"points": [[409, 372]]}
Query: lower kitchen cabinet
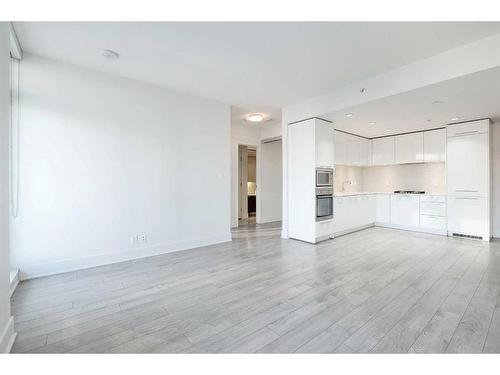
{"points": [[469, 216], [353, 212], [424, 213], [383, 208], [405, 210], [433, 222]]}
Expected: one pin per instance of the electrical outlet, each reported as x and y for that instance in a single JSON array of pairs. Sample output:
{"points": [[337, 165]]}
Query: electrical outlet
{"points": [[143, 238], [134, 239]]}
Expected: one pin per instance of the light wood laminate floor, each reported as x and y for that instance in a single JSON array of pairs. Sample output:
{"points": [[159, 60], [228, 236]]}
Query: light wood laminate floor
{"points": [[377, 290]]}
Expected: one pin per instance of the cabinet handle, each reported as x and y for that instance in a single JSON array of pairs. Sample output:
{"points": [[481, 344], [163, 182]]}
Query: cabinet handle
{"points": [[466, 191], [467, 133], [470, 199]]}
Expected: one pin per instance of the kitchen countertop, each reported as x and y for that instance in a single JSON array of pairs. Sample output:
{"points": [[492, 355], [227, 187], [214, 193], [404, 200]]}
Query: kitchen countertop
{"points": [[352, 193]]}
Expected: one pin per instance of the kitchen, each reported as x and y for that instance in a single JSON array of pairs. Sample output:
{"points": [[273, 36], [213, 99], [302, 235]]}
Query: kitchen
{"points": [[412, 181]]}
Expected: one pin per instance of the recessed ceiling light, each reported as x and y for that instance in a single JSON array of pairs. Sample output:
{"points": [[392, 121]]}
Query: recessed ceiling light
{"points": [[255, 117], [455, 118], [437, 102], [349, 114], [371, 123], [110, 54]]}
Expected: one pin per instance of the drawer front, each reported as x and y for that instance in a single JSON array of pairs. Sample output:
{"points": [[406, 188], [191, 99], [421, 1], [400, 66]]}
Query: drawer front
{"points": [[433, 222], [433, 208], [468, 128], [433, 198]]}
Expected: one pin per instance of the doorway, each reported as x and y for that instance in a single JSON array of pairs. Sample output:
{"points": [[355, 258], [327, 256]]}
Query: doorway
{"points": [[247, 184]]}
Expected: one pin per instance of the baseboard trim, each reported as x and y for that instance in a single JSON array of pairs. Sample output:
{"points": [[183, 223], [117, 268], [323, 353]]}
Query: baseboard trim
{"points": [[31, 271], [14, 281], [8, 336], [352, 230], [439, 232]]}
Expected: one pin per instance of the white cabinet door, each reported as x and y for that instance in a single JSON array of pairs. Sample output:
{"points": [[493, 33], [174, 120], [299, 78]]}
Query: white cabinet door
{"points": [[409, 148], [325, 153], [435, 146], [383, 208], [469, 215], [365, 152], [353, 152], [467, 164], [405, 210], [468, 128], [340, 211], [341, 153], [383, 151], [433, 222]]}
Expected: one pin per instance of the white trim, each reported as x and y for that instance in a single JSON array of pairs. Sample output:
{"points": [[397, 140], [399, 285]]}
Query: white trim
{"points": [[14, 281], [51, 268], [15, 47], [7, 337], [441, 232], [352, 230]]}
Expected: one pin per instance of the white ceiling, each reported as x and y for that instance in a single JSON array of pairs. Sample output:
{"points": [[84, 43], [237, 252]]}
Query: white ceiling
{"points": [[257, 66], [469, 97]]}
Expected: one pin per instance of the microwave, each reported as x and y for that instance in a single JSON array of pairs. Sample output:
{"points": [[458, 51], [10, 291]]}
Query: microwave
{"points": [[324, 177]]}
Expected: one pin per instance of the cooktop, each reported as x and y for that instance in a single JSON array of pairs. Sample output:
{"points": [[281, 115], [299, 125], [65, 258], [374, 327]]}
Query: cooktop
{"points": [[409, 192]]}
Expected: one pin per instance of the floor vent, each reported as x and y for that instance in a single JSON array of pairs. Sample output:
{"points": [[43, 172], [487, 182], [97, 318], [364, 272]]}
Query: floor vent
{"points": [[467, 236]]}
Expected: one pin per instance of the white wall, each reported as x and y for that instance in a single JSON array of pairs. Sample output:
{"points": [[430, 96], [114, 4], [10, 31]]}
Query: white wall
{"points": [[6, 321], [104, 158], [270, 187]]}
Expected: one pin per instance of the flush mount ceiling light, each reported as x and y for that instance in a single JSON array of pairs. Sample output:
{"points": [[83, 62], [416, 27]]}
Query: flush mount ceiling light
{"points": [[110, 54], [255, 117], [437, 102], [349, 114]]}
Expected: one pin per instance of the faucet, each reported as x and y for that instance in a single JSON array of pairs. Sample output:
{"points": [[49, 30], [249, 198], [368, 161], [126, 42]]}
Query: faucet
{"points": [[343, 185]]}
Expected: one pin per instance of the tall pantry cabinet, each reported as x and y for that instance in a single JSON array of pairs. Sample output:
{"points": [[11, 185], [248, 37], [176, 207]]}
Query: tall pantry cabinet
{"points": [[310, 146], [468, 165]]}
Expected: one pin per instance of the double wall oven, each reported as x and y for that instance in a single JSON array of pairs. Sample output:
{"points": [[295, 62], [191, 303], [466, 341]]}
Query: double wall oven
{"points": [[324, 194]]}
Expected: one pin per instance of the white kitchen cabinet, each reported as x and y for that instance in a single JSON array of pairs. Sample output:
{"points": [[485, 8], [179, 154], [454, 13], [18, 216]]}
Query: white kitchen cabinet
{"points": [[409, 148], [433, 222], [325, 152], [353, 152], [383, 208], [383, 151], [365, 152], [468, 128], [432, 208], [435, 146], [468, 179], [469, 216], [405, 210], [467, 163]]}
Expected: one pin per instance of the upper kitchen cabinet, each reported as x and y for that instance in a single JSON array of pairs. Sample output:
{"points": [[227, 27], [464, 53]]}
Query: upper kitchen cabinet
{"points": [[352, 150], [435, 146], [409, 148], [325, 150], [468, 159], [365, 152], [383, 151]]}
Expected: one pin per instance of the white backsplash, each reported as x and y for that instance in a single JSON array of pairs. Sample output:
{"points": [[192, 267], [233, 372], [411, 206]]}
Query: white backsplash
{"points": [[348, 179], [429, 177]]}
